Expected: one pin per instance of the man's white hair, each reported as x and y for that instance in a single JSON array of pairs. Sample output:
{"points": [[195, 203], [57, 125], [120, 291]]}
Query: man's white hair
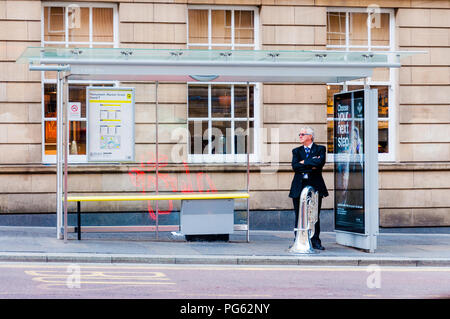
{"points": [[308, 130]]}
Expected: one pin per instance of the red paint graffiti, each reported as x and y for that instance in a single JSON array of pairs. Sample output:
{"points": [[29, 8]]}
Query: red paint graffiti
{"points": [[144, 177]]}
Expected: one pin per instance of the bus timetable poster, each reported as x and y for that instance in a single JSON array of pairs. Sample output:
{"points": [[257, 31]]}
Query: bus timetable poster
{"points": [[349, 161], [111, 124]]}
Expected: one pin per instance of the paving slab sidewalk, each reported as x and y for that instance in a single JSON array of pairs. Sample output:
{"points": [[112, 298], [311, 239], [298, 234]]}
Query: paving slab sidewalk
{"points": [[39, 244]]}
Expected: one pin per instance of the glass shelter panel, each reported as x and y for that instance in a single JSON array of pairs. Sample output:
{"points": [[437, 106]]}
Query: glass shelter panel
{"points": [[221, 101], [218, 121], [77, 138], [50, 137], [240, 101], [198, 101]]}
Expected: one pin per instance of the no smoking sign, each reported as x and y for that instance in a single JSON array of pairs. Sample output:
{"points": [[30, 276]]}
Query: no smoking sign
{"points": [[74, 110]]}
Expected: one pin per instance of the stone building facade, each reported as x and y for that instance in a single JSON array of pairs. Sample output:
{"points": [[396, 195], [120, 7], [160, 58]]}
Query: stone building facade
{"points": [[414, 101]]}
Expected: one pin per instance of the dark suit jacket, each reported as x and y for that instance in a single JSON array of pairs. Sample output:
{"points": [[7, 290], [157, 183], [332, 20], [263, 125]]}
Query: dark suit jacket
{"points": [[316, 160]]}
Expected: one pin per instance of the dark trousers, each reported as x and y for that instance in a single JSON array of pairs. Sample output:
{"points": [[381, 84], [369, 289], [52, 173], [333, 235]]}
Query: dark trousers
{"points": [[315, 238]]}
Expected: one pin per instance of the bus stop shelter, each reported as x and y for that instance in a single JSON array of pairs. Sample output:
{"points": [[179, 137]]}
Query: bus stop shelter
{"points": [[167, 65]]}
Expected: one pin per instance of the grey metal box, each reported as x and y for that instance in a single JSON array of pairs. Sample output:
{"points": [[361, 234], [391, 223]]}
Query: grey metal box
{"points": [[207, 216]]}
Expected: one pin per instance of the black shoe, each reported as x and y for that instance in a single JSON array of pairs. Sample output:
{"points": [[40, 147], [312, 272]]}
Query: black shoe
{"points": [[318, 246]]}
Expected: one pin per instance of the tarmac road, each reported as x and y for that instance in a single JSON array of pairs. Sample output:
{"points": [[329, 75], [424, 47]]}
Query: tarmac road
{"points": [[134, 281]]}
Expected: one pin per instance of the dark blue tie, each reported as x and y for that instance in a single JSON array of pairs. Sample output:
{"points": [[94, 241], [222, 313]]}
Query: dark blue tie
{"points": [[307, 150]]}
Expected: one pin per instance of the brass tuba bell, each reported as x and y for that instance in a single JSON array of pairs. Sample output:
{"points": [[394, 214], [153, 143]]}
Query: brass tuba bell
{"points": [[307, 217]]}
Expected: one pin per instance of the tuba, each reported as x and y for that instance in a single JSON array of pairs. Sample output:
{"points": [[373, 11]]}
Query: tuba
{"points": [[308, 215]]}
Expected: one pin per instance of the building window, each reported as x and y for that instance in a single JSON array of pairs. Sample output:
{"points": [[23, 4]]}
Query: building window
{"points": [[80, 26], [222, 28], [358, 30], [217, 113], [217, 120]]}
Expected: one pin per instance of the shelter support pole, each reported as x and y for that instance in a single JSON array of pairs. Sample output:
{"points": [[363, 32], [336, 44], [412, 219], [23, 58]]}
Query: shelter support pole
{"points": [[366, 84], [157, 158], [62, 136], [59, 203], [372, 155], [66, 128], [248, 160]]}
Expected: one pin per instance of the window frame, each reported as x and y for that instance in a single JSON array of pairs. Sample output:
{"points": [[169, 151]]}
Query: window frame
{"points": [[89, 5], [226, 158], [51, 159], [392, 83], [233, 45]]}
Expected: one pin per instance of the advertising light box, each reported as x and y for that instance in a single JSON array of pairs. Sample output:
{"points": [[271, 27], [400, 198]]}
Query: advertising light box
{"points": [[111, 124], [356, 204], [349, 161]]}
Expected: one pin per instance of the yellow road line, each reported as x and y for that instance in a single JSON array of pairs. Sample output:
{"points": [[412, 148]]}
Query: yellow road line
{"points": [[94, 274], [99, 277], [56, 282]]}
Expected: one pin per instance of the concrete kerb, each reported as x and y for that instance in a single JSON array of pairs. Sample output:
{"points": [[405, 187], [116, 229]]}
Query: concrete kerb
{"points": [[21, 257], [223, 260]]}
